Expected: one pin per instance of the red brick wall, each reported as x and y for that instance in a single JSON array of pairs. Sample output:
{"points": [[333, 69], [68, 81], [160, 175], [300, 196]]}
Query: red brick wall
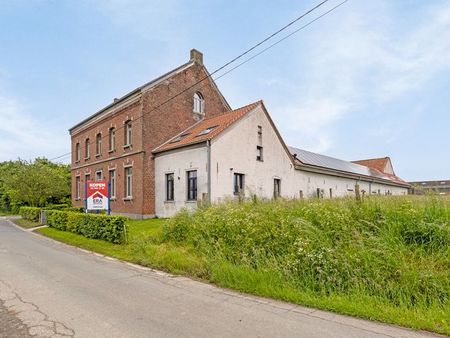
{"points": [[173, 117], [149, 131]]}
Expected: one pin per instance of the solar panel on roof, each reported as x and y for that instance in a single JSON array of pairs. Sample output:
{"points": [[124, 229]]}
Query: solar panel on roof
{"points": [[310, 158]]}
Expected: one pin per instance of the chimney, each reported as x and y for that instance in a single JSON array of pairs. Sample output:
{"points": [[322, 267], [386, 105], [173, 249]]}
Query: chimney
{"points": [[196, 56]]}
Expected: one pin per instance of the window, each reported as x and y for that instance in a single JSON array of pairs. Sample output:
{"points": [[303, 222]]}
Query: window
{"points": [[98, 175], [112, 183], [276, 188], [192, 185], [207, 130], [112, 139], [169, 187], [128, 182], [87, 152], [77, 152], [87, 178], [78, 187], [128, 133], [199, 103], [98, 144], [259, 153], [238, 184]]}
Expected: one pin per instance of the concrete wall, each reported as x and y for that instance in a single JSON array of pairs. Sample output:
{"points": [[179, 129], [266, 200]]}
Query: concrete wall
{"points": [[179, 162]]}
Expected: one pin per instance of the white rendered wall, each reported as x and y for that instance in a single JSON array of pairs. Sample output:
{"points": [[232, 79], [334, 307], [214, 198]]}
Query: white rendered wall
{"points": [[179, 162]]}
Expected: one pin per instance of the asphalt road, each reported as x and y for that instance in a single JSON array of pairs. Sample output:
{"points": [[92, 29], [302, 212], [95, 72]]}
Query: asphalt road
{"points": [[51, 289]]}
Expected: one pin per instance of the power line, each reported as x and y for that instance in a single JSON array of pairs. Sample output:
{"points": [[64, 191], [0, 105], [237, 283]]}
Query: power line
{"points": [[237, 58]]}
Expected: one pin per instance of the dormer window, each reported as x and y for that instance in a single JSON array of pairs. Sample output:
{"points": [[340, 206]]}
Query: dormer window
{"points": [[199, 103]]}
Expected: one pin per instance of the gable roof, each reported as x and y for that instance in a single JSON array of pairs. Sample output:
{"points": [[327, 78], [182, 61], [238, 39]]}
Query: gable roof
{"points": [[308, 158], [149, 85], [206, 129], [375, 163]]}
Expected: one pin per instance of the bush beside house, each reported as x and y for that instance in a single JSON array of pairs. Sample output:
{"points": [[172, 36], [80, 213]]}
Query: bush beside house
{"points": [[30, 213]]}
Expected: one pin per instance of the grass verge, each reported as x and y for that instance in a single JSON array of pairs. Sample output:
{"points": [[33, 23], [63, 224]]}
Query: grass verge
{"points": [[24, 223], [387, 260]]}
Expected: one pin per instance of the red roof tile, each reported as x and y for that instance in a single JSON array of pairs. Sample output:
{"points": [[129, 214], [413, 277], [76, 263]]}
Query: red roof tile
{"points": [[206, 129], [374, 163]]}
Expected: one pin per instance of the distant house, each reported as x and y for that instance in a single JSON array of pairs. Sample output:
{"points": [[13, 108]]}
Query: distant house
{"points": [[437, 187], [161, 154]]}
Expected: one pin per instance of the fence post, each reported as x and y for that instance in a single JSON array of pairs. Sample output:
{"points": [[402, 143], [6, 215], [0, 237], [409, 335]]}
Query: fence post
{"points": [[43, 217]]}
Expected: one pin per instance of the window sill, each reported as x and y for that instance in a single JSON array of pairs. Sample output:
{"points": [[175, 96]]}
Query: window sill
{"points": [[87, 158], [77, 161], [127, 146], [111, 151], [77, 199], [127, 199], [98, 155], [170, 201], [112, 199], [190, 201], [259, 160]]}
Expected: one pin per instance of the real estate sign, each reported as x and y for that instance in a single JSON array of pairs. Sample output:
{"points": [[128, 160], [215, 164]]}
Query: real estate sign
{"points": [[97, 195]]}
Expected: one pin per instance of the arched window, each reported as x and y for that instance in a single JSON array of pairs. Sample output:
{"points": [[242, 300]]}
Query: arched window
{"points": [[199, 103], [112, 139], [128, 132], [86, 149]]}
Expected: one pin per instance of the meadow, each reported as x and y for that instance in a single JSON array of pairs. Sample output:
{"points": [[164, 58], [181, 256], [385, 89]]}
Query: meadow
{"points": [[385, 258]]}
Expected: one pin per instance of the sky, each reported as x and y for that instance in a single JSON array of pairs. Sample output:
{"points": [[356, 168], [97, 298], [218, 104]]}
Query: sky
{"points": [[370, 79]]}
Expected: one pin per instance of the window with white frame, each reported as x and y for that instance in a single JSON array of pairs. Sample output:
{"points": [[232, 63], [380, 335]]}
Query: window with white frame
{"points": [[77, 152], [192, 185], [87, 178], [238, 184], [128, 133], [78, 187], [98, 175], [128, 182], [259, 153], [169, 187], [199, 103], [87, 151], [112, 183], [98, 144], [112, 139]]}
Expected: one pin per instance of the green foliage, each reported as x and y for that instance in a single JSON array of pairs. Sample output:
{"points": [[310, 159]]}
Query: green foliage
{"points": [[30, 213], [107, 228], [73, 209], [394, 249], [62, 206], [33, 184]]}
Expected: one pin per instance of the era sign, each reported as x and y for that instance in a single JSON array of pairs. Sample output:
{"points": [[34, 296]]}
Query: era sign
{"points": [[97, 195]]}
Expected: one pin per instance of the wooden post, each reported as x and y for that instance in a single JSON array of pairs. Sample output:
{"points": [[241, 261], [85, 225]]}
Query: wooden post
{"points": [[357, 193]]}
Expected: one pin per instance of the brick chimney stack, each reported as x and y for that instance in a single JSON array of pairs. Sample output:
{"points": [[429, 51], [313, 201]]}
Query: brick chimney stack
{"points": [[196, 56]]}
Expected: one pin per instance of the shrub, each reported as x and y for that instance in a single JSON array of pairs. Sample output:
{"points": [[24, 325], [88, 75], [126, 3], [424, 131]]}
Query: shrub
{"points": [[56, 206], [30, 213], [73, 209], [108, 228]]}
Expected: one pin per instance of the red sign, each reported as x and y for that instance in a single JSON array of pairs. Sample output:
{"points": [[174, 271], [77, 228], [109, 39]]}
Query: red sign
{"points": [[97, 195]]}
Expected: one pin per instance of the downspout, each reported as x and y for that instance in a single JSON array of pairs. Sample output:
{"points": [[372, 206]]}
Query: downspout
{"points": [[208, 168]]}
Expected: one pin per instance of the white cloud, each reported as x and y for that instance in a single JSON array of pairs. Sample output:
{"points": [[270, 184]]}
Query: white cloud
{"points": [[21, 135], [360, 57]]}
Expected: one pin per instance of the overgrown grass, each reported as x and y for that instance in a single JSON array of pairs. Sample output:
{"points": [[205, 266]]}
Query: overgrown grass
{"points": [[386, 259], [25, 223]]}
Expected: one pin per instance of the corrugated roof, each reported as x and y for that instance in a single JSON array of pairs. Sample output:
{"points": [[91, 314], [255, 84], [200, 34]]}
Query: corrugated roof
{"points": [[206, 129], [327, 162]]}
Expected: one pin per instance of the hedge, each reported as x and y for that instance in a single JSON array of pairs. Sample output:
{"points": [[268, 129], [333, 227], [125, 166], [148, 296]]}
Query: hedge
{"points": [[107, 228], [56, 206], [30, 213]]}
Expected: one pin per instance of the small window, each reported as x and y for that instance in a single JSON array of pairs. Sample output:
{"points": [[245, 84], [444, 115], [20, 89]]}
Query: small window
{"points": [[179, 138], [78, 187], [98, 175], [207, 130], [238, 184], [259, 131], [77, 152], [192, 185], [276, 188], [259, 153], [112, 183], [98, 144], [112, 139], [169, 187], [87, 152], [128, 133], [128, 182], [199, 104]]}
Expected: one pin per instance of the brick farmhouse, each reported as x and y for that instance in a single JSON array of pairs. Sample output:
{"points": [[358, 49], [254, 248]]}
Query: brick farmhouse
{"points": [[171, 144]]}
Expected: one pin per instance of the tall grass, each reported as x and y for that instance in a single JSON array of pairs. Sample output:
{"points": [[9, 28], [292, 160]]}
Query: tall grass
{"points": [[393, 251]]}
